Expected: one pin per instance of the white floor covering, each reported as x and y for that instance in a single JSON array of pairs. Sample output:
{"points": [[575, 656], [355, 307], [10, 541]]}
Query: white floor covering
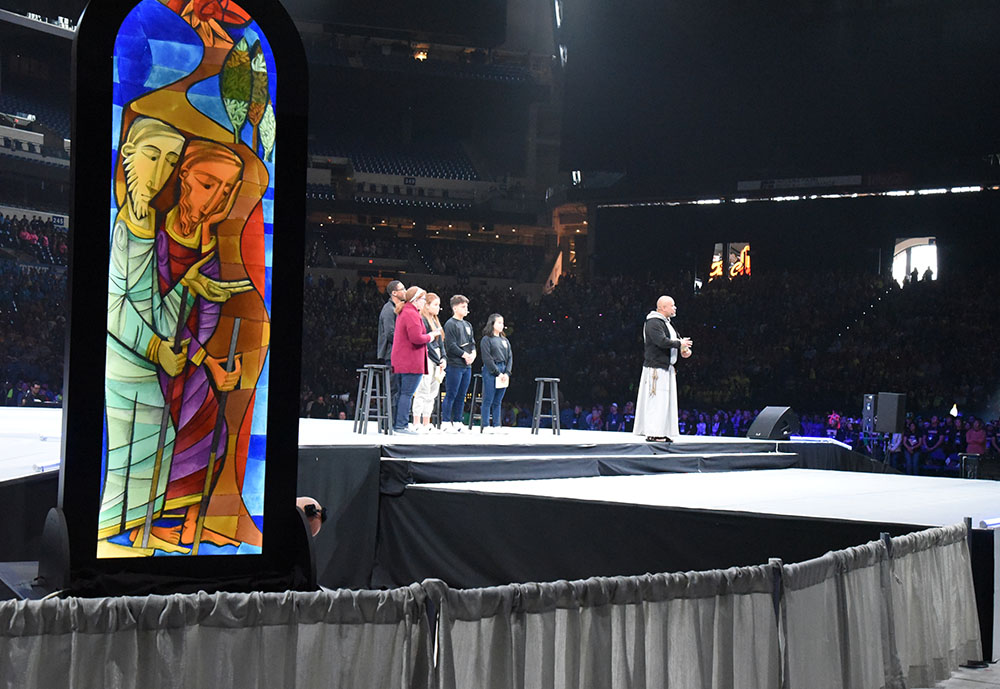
{"points": [[920, 500]]}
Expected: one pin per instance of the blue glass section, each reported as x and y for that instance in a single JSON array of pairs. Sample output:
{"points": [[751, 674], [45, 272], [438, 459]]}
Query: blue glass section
{"points": [[104, 454], [121, 539], [269, 164], [205, 97], [113, 205], [116, 125], [254, 479], [152, 34], [247, 549], [258, 445], [265, 375], [268, 208], [172, 60], [267, 288], [268, 244], [259, 424], [204, 549]]}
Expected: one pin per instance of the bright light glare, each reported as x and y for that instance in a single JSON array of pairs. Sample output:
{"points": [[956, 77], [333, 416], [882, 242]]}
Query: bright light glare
{"points": [[928, 192], [921, 257]]}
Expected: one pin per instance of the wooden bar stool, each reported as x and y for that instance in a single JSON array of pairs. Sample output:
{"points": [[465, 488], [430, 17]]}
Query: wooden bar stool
{"points": [[362, 384], [377, 393], [546, 390], [477, 396]]}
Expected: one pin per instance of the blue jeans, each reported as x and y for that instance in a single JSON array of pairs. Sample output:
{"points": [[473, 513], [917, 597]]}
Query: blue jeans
{"points": [[912, 461], [456, 384], [492, 397], [408, 383]]}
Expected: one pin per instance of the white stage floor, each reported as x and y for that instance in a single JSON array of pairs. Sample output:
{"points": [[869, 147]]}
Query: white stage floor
{"points": [[320, 432], [919, 500], [31, 439]]}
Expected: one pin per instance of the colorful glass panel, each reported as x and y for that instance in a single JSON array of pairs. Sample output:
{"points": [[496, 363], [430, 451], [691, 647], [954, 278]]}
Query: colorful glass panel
{"points": [[189, 302]]}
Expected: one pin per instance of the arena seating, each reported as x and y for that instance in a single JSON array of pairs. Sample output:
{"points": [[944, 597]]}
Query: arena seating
{"points": [[443, 160], [49, 113]]}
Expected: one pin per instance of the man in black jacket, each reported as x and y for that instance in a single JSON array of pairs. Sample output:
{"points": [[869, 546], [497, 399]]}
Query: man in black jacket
{"points": [[386, 329], [460, 350], [656, 407]]}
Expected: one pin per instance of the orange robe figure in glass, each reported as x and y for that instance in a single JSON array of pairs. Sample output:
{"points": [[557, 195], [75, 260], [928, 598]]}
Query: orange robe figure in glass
{"points": [[209, 179]]}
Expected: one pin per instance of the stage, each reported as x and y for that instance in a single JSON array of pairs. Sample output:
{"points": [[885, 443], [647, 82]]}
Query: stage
{"points": [[481, 510], [352, 473]]}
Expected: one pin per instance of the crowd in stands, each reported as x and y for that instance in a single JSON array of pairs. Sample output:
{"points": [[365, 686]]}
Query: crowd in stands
{"points": [[834, 338], [440, 257], [371, 248], [40, 240], [520, 263], [33, 331]]}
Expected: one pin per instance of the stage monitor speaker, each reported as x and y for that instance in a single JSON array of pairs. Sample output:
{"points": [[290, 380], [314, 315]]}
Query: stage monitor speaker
{"points": [[774, 423], [890, 412], [868, 414]]}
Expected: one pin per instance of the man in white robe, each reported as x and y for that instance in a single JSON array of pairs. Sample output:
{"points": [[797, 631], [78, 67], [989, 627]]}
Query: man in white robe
{"points": [[656, 406], [140, 334]]}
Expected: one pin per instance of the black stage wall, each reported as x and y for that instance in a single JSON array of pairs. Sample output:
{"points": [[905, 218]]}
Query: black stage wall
{"points": [[345, 480], [24, 502], [472, 540]]}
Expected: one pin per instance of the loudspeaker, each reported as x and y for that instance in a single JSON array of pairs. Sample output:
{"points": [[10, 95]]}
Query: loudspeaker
{"points": [[774, 423], [891, 412], [868, 414]]}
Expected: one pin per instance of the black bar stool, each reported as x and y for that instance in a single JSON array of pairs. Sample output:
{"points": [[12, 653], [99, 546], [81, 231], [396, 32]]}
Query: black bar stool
{"points": [[546, 390], [436, 414], [362, 384], [377, 393], [477, 396]]}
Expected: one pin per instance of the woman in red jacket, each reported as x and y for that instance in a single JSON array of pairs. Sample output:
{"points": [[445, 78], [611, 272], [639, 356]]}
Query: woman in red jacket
{"points": [[409, 353]]}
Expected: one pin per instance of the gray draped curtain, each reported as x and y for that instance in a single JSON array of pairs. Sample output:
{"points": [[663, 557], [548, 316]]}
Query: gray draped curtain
{"points": [[837, 624], [693, 629], [886, 614], [936, 626], [260, 640]]}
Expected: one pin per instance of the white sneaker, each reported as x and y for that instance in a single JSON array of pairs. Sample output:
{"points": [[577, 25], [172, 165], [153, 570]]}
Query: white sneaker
{"points": [[422, 429], [459, 427], [489, 430]]}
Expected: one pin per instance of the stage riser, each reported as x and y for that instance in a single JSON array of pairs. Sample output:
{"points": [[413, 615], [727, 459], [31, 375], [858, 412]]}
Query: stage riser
{"points": [[472, 540]]}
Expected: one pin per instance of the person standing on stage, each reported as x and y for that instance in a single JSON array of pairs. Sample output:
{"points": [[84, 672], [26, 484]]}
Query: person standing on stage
{"points": [[497, 362], [430, 385], [386, 331], [460, 351], [409, 353], [656, 406]]}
